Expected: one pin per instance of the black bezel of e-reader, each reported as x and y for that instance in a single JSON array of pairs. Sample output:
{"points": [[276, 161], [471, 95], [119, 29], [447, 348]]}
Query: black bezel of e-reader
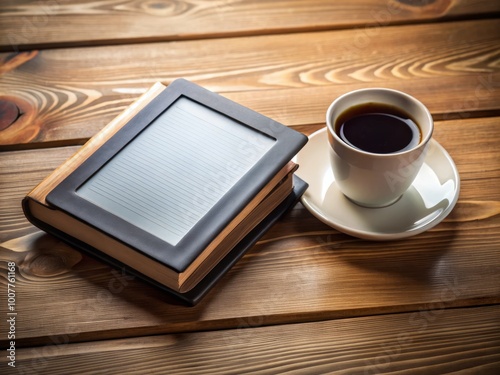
{"points": [[286, 145]]}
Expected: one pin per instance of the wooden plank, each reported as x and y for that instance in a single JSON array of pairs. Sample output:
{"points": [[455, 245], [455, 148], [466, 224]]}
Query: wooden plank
{"points": [[435, 341], [302, 270], [32, 24], [65, 97]]}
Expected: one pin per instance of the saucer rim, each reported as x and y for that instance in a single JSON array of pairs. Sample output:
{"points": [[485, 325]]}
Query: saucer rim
{"points": [[379, 236]]}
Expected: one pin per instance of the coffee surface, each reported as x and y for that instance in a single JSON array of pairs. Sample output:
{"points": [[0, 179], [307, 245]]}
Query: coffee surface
{"points": [[378, 128]]}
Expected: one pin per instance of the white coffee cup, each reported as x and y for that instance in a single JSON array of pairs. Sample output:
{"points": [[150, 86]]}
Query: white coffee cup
{"points": [[375, 179]]}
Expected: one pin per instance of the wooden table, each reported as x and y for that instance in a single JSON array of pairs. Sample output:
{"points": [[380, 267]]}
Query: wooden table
{"points": [[307, 298]]}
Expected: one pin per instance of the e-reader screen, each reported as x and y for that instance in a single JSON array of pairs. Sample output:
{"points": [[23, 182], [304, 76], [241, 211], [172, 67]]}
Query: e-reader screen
{"points": [[176, 169]]}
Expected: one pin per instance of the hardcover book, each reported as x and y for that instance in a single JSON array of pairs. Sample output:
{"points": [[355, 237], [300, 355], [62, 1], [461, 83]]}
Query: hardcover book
{"points": [[175, 189]]}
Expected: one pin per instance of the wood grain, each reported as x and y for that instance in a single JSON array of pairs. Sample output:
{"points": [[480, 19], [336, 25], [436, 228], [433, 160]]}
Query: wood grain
{"points": [[426, 341], [32, 24], [452, 67], [300, 271], [305, 299]]}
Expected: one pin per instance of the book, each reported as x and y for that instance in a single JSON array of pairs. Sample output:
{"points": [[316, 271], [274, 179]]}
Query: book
{"points": [[175, 189]]}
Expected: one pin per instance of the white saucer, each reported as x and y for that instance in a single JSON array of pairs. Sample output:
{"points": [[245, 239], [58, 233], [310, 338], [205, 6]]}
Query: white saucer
{"points": [[426, 203]]}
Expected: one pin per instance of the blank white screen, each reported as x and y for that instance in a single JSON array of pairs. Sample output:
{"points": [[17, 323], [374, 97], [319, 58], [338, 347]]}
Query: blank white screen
{"points": [[176, 169]]}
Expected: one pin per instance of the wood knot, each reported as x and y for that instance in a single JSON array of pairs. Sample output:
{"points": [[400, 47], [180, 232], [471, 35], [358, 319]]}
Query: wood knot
{"points": [[9, 113], [49, 258], [164, 8], [18, 121]]}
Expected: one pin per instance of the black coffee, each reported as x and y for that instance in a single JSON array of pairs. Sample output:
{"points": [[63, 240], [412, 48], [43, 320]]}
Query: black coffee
{"points": [[377, 128]]}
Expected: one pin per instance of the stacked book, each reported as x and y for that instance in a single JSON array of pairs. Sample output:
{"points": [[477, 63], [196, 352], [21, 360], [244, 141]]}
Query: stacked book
{"points": [[175, 189]]}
